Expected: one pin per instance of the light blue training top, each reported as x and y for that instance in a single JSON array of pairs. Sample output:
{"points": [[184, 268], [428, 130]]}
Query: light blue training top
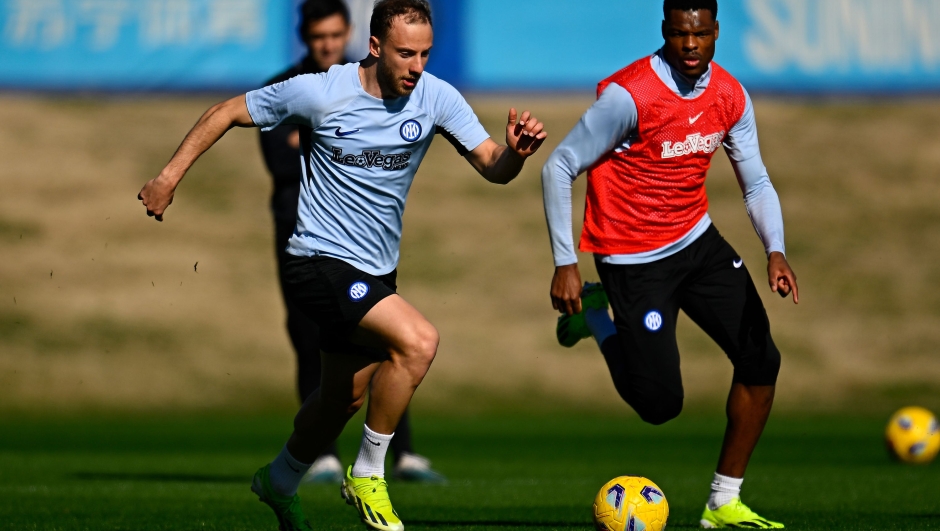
{"points": [[610, 124], [360, 154]]}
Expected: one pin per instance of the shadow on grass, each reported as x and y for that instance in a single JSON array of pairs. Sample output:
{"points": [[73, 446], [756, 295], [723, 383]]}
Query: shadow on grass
{"points": [[515, 524], [160, 478], [497, 523]]}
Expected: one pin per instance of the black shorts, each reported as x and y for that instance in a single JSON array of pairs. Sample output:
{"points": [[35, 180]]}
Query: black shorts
{"points": [[336, 296], [708, 281]]}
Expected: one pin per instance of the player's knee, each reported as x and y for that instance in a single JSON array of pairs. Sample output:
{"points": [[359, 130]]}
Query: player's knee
{"points": [[657, 408], [348, 403], [355, 405], [422, 345], [758, 368], [417, 350]]}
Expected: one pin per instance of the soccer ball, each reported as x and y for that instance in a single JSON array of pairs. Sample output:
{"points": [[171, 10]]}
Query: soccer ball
{"points": [[630, 503], [912, 435]]}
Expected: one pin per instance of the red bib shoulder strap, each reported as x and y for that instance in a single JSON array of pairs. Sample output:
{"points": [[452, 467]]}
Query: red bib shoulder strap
{"points": [[623, 76]]}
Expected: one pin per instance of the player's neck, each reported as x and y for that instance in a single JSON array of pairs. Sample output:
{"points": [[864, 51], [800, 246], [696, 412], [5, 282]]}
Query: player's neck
{"points": [[369, 77]]}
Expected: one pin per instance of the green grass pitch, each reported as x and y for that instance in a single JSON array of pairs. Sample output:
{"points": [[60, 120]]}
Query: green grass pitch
{"points": [[507, 472]]}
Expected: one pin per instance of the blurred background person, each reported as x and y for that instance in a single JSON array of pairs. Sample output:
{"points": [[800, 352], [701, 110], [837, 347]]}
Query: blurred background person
{"points": [[325, 29]]}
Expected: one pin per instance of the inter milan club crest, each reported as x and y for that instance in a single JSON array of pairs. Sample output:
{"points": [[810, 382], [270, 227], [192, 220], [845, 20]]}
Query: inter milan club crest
{"points": [[410, 131], [358, 291], [653, 321]]}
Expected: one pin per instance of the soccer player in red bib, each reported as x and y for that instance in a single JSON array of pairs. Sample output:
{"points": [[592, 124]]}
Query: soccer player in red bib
{"points": [[647, 144]]}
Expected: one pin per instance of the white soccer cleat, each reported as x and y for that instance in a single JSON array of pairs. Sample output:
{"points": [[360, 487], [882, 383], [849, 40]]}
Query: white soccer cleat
{"points": [[325, 470]]}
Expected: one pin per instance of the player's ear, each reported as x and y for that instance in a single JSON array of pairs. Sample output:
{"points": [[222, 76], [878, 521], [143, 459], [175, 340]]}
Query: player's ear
{"points": [[662, 29], [374, 46], [716, 30]]}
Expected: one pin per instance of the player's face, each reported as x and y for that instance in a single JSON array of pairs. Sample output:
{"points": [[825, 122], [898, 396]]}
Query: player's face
{"points": [[690, 40], [326, 40], [402, 55]]}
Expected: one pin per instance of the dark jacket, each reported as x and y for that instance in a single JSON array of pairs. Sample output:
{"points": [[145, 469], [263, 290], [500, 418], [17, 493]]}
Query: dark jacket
{"points": [[282, 160]]}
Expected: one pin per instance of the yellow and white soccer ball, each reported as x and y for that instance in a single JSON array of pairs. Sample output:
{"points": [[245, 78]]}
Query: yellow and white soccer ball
{"points": [[630, 503], [912, 435]]}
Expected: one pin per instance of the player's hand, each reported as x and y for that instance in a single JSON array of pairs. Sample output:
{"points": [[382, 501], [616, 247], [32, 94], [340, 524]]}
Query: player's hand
{"points": [[156, 196], [566, 289], [782, 279], [524, 136]]}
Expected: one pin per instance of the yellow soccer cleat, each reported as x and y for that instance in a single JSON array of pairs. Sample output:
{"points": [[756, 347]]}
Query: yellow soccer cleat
{"points": [[370, 497], [736, 514]]}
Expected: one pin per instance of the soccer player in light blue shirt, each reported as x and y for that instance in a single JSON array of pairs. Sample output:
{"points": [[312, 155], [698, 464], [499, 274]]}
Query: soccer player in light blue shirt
{"points": [[365, 129]]}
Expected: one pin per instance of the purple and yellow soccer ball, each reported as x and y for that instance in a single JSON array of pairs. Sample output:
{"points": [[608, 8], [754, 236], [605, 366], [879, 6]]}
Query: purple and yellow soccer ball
{"points": [[630, 503], [912, 435]]}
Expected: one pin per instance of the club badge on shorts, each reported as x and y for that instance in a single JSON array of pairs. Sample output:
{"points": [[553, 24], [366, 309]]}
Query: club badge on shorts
{"points": [[358, 291], [653, 321]]}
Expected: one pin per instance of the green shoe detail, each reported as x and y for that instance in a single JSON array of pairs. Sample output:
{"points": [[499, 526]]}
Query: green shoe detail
{"points": [[594, 297], [370, 497], [736, 514], [573, 328], [290, 516]]}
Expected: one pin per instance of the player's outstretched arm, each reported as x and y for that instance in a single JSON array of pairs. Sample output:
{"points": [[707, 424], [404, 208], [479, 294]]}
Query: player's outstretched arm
{"points": [[782, 279], [501, 164], [157, 194]]}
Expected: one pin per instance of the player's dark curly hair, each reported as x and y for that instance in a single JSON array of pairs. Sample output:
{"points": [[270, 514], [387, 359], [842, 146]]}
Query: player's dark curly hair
{"points": [[314, 10], [385, 11], [690, 5]]}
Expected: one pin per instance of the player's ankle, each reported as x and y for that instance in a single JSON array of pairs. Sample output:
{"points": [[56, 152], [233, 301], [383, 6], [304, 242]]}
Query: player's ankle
{"points": [[724, 490], [286, 473], [371, 458]]}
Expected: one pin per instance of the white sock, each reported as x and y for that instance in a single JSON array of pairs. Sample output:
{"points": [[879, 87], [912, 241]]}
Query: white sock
{"points": [[724, 489], [371, 459], [286, 473], [598, 321]]}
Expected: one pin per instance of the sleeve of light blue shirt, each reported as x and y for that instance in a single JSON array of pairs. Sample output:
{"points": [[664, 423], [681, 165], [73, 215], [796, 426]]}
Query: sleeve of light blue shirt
{"points": [[295, 101], [454, 115], [608, 122], [760, 197]]}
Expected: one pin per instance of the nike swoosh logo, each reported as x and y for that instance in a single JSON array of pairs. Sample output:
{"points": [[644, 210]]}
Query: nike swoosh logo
{"points": [[693, 120], [738, 263], [341, 133], [373, 442]]}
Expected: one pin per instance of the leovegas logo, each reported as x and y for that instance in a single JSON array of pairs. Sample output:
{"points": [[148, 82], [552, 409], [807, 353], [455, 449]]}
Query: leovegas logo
{"points": [[694, 143]]}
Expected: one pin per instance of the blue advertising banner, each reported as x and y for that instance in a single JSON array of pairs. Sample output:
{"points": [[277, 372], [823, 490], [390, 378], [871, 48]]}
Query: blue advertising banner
{"points": [[840, 46], [802, 46], [142, 44], [789, 46]]}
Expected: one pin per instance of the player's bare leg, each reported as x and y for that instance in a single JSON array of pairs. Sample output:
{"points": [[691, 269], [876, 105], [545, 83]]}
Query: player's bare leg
{"points": [[411, 342], [341, 394], [748, 409], [320, 420]]}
